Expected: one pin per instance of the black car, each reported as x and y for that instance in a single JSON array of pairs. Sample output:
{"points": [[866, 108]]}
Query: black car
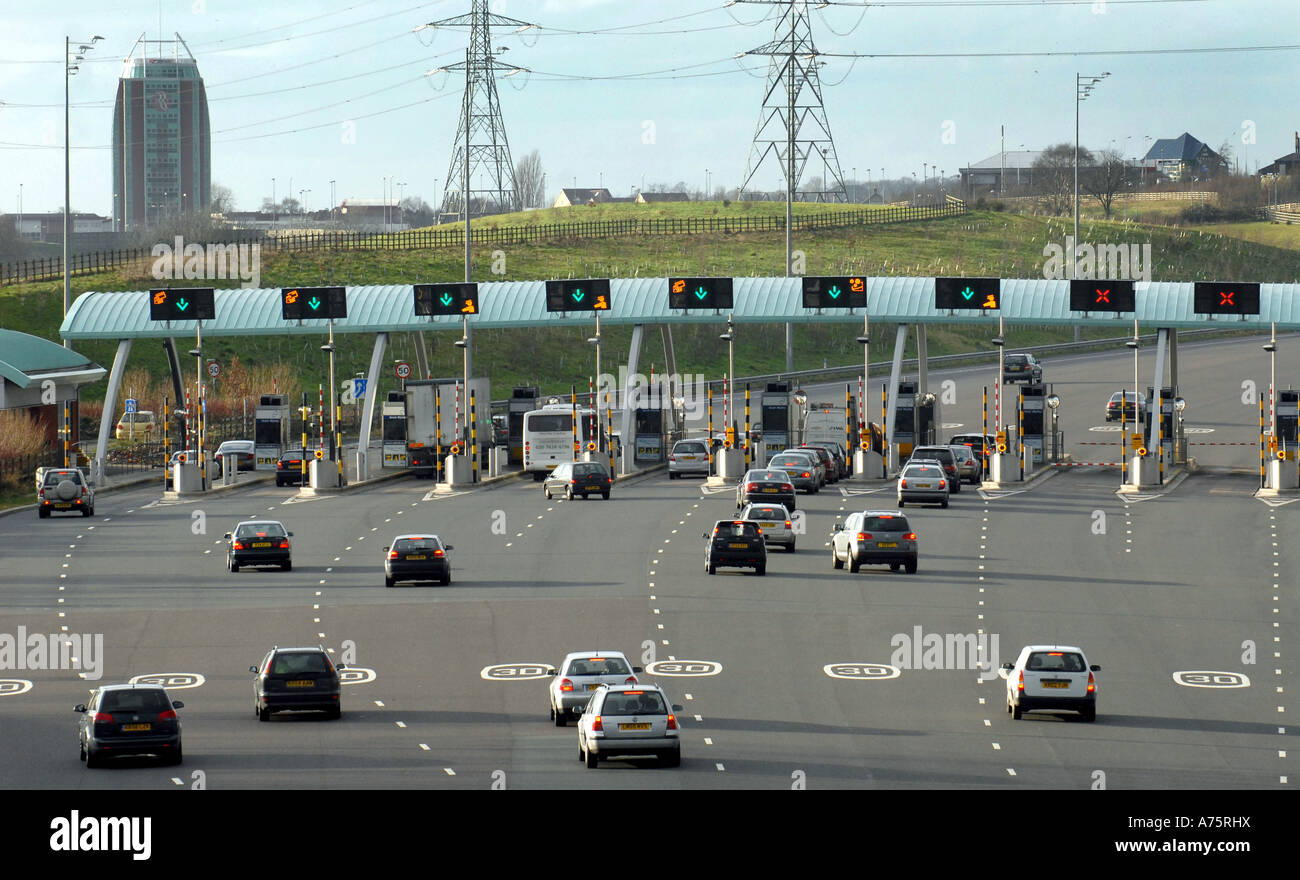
{"points": [[765, 486], [259, 542], [944, 456], [838, 466], [830, 467], [579, 478], [289, 468], [735, 544], [1022, 368], [129, 719], [291, 679], [417, 558]]}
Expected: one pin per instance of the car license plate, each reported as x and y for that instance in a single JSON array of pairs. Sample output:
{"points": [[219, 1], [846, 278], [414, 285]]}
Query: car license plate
{"points": [[593, 488], [739, 546], [593, 687], [887, 544], [923, 485], [304, 683], [135, 727], [258, 545], [1056, 684], [772, 490], [415, 557], [62, 506], [634, 726]]}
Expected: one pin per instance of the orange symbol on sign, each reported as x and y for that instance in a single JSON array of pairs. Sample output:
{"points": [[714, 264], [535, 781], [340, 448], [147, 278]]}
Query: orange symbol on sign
{"points": [[991, 302], [160, 297], [679, 285], [468, 308], [856, 285], [291, 297], [601, 303]]}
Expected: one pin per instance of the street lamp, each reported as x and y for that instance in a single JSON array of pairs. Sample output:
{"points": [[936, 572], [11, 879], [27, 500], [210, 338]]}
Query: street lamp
{"points": [[1001, 343], [1054, 404], [1083, 86], [70, 68], [800, 398], [730, 338], [1271, 348]]}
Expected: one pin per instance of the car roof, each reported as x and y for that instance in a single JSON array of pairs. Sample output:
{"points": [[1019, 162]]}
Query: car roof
{"points": [[618, 688], [317, 648], [417, 535], [128, 687], [258, 522], [894, 513], [582, 655], [1051, 648]]}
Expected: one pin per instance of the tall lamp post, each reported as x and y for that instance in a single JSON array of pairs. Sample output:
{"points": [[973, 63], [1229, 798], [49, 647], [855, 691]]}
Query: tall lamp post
{"points": [[1083, 86], [70, 67], [730, 338]]}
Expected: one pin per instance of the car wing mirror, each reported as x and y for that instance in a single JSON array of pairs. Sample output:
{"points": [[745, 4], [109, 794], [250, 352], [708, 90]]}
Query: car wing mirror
{"points": [[1095, 668], [252, 669], [340, 666], [290, 534], [449, 547], [227, 536], [80, 707], [385, 549], [677, 708], [1008, 666], [638, 669], [178, 704]]}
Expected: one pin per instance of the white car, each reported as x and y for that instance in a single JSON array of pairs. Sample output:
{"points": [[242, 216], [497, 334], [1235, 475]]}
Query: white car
{"points": [[1051, 677], [775, 522], [689, 457], [583, 673], [625, 721]]}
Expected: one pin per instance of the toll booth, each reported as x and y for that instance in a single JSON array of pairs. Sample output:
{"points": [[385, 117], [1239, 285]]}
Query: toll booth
{"points": [[1288, 421], [270, 430], [1033, 412], [1170, 423], [525, 398], [929, 420], [905, 438], [649, 425], [393, 414], [774, 408]]}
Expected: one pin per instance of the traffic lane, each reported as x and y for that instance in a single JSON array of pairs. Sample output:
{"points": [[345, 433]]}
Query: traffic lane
{"points": [[773, 711], [1126, 610]]}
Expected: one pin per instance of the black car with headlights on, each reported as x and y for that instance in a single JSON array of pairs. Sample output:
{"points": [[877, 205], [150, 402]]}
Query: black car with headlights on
{"points": [[129, 719], [735, 544], [259, 542], [417, 558], [296, 679]]}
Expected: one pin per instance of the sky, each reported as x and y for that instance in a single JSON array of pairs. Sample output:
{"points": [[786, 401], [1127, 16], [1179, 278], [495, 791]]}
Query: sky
{"points": [[308, 91]]}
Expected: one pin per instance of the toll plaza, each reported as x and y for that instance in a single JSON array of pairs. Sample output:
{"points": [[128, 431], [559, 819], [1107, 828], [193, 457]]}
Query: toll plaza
{"points": [[270, 430], [523, 399], [650, 437], [393, 431], [1032, 409], [774, 416]]}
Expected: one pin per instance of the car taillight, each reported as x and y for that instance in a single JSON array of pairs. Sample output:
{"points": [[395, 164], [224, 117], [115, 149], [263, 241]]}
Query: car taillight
{"points": [[1021, 685], [239, 545], [864, 536], [787, 487], [902, 484], [631, 679], [788, 524], [806, 474], [672, 721], [566, 685], [609, 479], [392, 554], [942, 483], [284, 545], [279, 465], [597, 725], [267, 670], [751, 487], [574, 481], [672, 458], [169, 715], [1092, 684], [439, 553], [103, 718], [910, 536]]}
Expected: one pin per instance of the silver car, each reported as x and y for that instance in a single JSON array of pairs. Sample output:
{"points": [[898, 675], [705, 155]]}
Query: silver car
{"points": [[689, 457], [775, 522], [804, 469], [581, 674], [968, 467], [923, 483], [874, 537], [624, 721]]}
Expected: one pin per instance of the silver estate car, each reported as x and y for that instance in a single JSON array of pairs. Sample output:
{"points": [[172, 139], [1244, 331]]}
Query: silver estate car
{"points": [[689, 457], [624, 721], [804, 469], [923, 483], [580, 675]]}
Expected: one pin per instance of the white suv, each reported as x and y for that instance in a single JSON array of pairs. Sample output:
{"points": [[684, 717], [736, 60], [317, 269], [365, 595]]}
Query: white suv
{"points": [[1051, 677]]}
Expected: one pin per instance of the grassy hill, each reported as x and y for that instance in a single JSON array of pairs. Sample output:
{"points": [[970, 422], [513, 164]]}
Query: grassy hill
{"points": [[992, 243]]}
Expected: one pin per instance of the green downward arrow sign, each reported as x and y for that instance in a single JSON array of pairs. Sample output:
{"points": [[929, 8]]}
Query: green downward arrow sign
{"points": [[446, 299], [314, 303], [967, 293], [578, 295], [182, 304], [834, 292], [701, 293]]}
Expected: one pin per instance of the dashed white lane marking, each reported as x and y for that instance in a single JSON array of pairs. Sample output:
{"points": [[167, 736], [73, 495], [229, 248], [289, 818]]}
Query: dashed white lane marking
{"points": [[379, 703], [449, 771], [401, 724], [708, 741], [424, 747], [176, 781], [997, 747], [699, 718], [1010, 772], [987, 723], [721, 769], [689, 696]]}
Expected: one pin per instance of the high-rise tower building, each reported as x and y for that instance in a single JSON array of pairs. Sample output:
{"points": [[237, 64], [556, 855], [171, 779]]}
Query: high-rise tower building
{"points": [[162, 140]]}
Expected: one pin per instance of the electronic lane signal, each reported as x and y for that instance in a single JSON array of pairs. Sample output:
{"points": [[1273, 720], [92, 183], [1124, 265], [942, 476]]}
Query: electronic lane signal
{"points": [[700, 293], [446, 299], [1102, 296], [1221, 298], [297, 303], [981, 294], [839, 292], [182, 304], [578, 295]]}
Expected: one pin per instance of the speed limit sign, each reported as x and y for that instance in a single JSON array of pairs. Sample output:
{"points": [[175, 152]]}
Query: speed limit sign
{"points": [[403, 370], [214, 369]]}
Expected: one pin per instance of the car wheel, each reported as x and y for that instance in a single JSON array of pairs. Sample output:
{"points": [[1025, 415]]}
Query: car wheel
{"points": [[558, 717], [92, 759], [568, 494], [711, 568], [81, 746], [836, 562], [911, 567], [87, 511], [854, 565], [388, 582], [178, 757], [264, 714], [956, 487], [895, 566], [232, 565], [1016, 712], [672, 476], [547, 493], [1090, 714], [286, 566], [760, 570], [671, 759], [446, 579], [335, 713], [791, 547], [944, 504], [591, 759], [42, 513], [900, 502], [604, 496]]}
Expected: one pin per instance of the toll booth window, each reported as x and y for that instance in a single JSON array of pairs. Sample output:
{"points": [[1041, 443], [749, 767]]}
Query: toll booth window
{"points": [[516, 426], [395, 430], [649, 422], [903, 421], [776, 418], [267, 432], [1033, 422]]}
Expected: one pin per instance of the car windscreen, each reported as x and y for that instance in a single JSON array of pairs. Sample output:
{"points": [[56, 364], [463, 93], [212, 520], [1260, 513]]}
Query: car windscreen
{"points": [[260, 530], [885, 524], [290, 663], [598, 666], [630, 703], [779, 476], [737, 530], [53, 479], [1055, 661], [766, 513], [410, 545], [590, 470], [921, 471], [791, 461], [939, 453], [689, 449], [137, 700]]}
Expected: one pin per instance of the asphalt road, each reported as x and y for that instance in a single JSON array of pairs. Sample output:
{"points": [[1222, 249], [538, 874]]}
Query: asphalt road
{"points": [[1195, 579]]}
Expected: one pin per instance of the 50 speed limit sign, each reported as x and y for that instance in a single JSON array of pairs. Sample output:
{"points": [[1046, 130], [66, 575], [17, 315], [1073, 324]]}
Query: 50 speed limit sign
{"points": [[403, 370]]}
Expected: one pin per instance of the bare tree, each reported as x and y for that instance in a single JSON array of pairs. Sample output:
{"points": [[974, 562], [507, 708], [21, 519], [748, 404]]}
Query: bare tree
{"points": [[1054, 175], [1108, 175], [528, 181], [223, 200], [416, 212]]}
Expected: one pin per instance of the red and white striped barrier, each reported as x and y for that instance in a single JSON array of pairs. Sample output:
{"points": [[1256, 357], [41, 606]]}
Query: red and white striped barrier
{"points": [[1086, 464], [1205, 443]]}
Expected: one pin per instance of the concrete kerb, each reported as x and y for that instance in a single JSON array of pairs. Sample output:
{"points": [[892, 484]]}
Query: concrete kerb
{"points": [[1173, 479]]}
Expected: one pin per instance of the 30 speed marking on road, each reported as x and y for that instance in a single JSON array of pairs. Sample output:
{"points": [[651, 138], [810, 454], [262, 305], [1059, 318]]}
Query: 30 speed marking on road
{"points": [[10, 687], [861, 671], [515, 671], [356, 675], [684, 668], [1210, 679], [173, 681]]}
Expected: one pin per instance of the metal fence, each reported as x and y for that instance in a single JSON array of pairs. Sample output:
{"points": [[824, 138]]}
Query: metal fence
{"points": [[50, 268]]}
